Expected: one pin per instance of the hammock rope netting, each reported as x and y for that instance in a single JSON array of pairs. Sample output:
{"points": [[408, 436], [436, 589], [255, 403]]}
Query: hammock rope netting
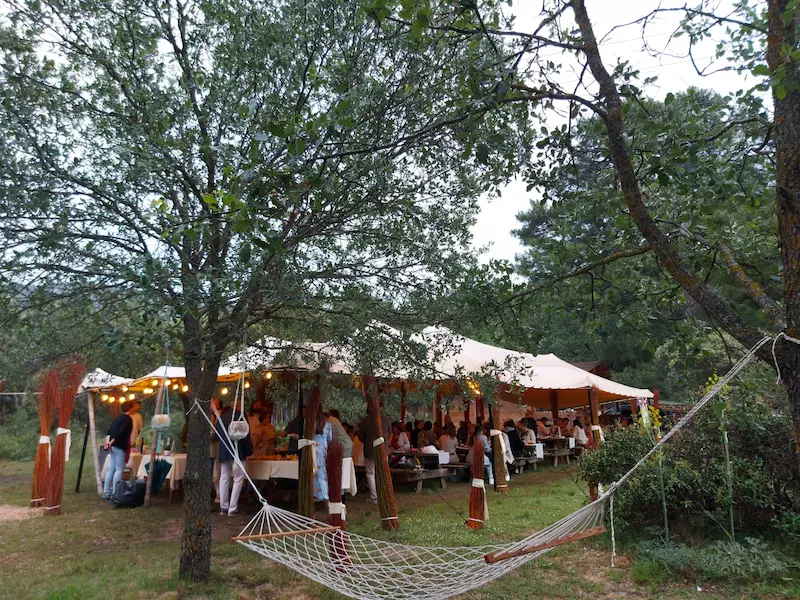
{"points": [[371, 569]]}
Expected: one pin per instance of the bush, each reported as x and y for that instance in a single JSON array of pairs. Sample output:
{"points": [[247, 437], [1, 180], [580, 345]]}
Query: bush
{"points": [[766, 493], [754, 560], [19, 435]]}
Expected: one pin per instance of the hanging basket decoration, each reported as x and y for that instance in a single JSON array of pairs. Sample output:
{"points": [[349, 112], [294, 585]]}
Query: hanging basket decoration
{"points": [[238, 430], [160, 422]]}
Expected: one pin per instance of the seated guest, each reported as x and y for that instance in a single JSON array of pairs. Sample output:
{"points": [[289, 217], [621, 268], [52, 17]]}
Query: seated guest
{"points": [[414, 437], [526, 433], [463, 432], [399, 440], [566, 428], [543, 430], [448, 442], [426, 436], [515, 442], [579, 434]]}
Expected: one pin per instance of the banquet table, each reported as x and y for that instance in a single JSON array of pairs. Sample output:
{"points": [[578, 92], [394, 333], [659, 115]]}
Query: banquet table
{"points": [[137, 463], [265, 469]]}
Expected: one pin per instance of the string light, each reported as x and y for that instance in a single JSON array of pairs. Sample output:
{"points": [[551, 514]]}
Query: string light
{"points": [[131, 396], [155, 382], [111, 399], [269, 374], [124, 388], [224, 391], [247, 385], [104, 397], [175, 386], [167, 382], [185, 388]]}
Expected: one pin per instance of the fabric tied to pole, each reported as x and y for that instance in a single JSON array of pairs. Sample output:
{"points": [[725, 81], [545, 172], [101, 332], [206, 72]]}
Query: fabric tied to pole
{"points": [[68, 433], [337, 508], [540, 451], [302, 443], [499, 434], [600, 429], [478, 483], [377, 442]]}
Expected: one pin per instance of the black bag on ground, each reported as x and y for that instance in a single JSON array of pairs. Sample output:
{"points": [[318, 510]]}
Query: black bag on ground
{"points": [[128, 494]]}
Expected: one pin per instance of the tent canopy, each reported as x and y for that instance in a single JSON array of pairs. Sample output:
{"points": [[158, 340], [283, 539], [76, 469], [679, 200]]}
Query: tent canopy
{"points": [[535, 380], [543, 381]]}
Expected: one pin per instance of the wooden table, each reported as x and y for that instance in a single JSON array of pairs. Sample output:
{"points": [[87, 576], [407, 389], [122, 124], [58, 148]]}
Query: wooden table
{"points": [[558, 447], [419, 476]]}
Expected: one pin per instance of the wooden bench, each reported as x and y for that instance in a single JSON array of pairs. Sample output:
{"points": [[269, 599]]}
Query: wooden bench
{"points": [[522, 462], [557, 453], [459, 470], [409, 476]]}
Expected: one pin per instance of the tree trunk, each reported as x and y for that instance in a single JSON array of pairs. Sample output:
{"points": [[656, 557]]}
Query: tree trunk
{"points": [[201, 375], [786, 134], [678, 267]]}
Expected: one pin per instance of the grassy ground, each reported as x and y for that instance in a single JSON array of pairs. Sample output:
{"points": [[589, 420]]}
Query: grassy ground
{"points": [[94, 551]]}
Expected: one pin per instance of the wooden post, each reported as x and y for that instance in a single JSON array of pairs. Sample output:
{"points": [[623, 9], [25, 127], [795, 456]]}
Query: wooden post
{"points": [[403, 402], [656, 399], [479, 407], [93, 437], [594, 413], [148, 489], [83, 457], [437, 407], [634, 408], [554, 405], [466, 410]]}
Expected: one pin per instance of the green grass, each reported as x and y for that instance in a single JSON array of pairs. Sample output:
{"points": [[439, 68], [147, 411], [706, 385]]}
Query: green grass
{"points": [[94, 551]]}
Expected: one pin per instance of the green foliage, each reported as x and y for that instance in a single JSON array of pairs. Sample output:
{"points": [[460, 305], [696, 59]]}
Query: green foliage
{"points": [[695, 474], [754, 560], [19, 434]]}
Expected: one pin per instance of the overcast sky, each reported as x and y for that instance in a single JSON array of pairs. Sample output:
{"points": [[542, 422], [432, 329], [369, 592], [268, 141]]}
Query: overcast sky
{"points": [[675, 73]]}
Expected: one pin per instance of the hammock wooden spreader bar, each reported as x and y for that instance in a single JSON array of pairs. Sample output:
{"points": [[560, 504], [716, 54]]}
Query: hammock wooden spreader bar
{"points": [[281, 534], [494, 557]]}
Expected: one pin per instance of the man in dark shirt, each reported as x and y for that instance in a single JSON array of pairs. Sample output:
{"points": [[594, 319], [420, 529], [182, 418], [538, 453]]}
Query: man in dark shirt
{"points": [[414, 437], [118, 441], [514, 439], [463, 432]]}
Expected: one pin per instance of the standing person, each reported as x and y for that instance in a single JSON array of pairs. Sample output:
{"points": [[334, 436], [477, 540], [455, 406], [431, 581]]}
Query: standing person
{"points": [[323, 435], [293, 431], [254, 415], [229, 500], [367, 435], [136, 416], [118, 442], [263, 434], [340, 433]]}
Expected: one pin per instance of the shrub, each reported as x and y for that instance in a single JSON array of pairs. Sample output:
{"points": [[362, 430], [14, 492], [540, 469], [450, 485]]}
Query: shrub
{"points": [[754, 560], [765, 490], [19, 435]]}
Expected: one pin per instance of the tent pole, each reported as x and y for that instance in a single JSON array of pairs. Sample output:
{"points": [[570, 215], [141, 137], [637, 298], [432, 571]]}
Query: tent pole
{"points": [[554, 405], [437, 408], [83, 457], [594, 412], [93, 436], [403, 402], [656, 399]]}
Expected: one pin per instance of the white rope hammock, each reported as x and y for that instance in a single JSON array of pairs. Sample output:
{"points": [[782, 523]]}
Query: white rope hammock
{"points": [[370, 569]]}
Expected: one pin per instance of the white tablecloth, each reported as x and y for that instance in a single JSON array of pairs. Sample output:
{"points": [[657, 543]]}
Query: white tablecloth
{"points": [[262, 470]]}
